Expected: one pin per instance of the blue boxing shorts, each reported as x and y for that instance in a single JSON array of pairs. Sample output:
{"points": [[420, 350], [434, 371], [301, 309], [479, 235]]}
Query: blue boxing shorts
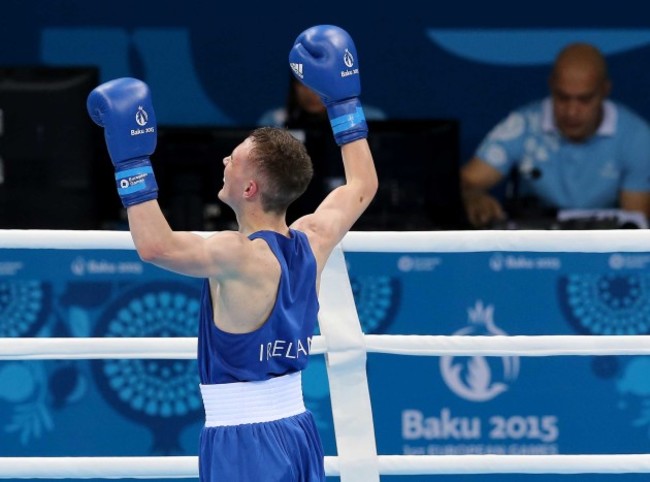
{"points": [[259, 432]]}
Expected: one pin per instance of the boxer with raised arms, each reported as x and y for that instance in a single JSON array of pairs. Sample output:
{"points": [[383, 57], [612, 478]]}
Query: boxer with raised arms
{"points": [[260, 294]]}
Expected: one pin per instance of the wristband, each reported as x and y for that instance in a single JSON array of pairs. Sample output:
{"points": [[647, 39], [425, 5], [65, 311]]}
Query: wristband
{"points": [[136, 182], [348, 121]]}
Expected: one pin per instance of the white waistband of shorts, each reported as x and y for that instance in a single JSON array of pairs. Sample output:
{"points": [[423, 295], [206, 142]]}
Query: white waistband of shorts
{"points": [[252, 402]]}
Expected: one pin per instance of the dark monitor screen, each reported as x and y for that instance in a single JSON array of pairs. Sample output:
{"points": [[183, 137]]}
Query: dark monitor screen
{"points": [[417, 163], [48, 148], [45, 124]]}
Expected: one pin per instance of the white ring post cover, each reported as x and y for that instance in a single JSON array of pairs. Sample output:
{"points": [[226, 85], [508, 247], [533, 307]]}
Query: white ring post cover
{"points": [[346, 368]]}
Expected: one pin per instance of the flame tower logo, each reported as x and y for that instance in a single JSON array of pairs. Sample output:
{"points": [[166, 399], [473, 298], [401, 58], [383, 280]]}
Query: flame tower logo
{"points": [[479, 378]]}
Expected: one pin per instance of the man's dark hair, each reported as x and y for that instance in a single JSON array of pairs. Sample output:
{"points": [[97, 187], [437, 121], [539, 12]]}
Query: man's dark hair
{"points": [[284, 164]]}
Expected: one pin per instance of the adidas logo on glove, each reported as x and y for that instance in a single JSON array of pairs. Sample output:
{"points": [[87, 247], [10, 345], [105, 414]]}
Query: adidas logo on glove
{"points": [[297, 69]]}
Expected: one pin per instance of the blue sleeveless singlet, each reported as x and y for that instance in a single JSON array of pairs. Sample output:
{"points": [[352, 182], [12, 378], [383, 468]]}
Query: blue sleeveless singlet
{"points": [[284, 450]]}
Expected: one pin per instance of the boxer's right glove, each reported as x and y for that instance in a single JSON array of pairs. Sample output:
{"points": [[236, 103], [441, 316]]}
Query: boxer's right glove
{"points": [[123, 108], [324, 58]]}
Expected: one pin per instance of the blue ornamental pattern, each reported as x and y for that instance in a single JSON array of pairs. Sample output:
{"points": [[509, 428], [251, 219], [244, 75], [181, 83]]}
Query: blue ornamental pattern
{"points": [[160, 394], [377, 299], [607, 304], [24, 307]]}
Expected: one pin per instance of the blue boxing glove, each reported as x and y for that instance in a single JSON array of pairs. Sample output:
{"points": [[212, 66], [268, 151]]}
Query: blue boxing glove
{"points": [[324, 58], [123, 108]]}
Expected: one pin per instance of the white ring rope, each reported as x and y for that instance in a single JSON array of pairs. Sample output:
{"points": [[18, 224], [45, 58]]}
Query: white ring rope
{"points": [[409, 242], [177, 467], [590, 241], [184, 348]]}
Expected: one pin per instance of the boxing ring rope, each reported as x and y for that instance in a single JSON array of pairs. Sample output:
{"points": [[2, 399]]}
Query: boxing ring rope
{"points": [[184, 348], [357, 459], [177, 467], [566, 241]]}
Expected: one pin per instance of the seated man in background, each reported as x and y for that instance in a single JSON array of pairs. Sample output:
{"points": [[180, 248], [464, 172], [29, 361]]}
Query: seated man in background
{"points": [[573, 150]]}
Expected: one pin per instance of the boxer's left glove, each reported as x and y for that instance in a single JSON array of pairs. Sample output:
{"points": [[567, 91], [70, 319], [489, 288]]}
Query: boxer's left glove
{"points": [[124, 109], [324, 58]]}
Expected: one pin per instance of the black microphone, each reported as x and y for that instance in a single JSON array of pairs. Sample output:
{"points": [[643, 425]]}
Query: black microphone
{"points": [[518, 206], [535, 173]]}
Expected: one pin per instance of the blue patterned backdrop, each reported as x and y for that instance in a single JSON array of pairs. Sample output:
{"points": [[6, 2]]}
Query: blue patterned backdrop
{"points": [[422, 405]]}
